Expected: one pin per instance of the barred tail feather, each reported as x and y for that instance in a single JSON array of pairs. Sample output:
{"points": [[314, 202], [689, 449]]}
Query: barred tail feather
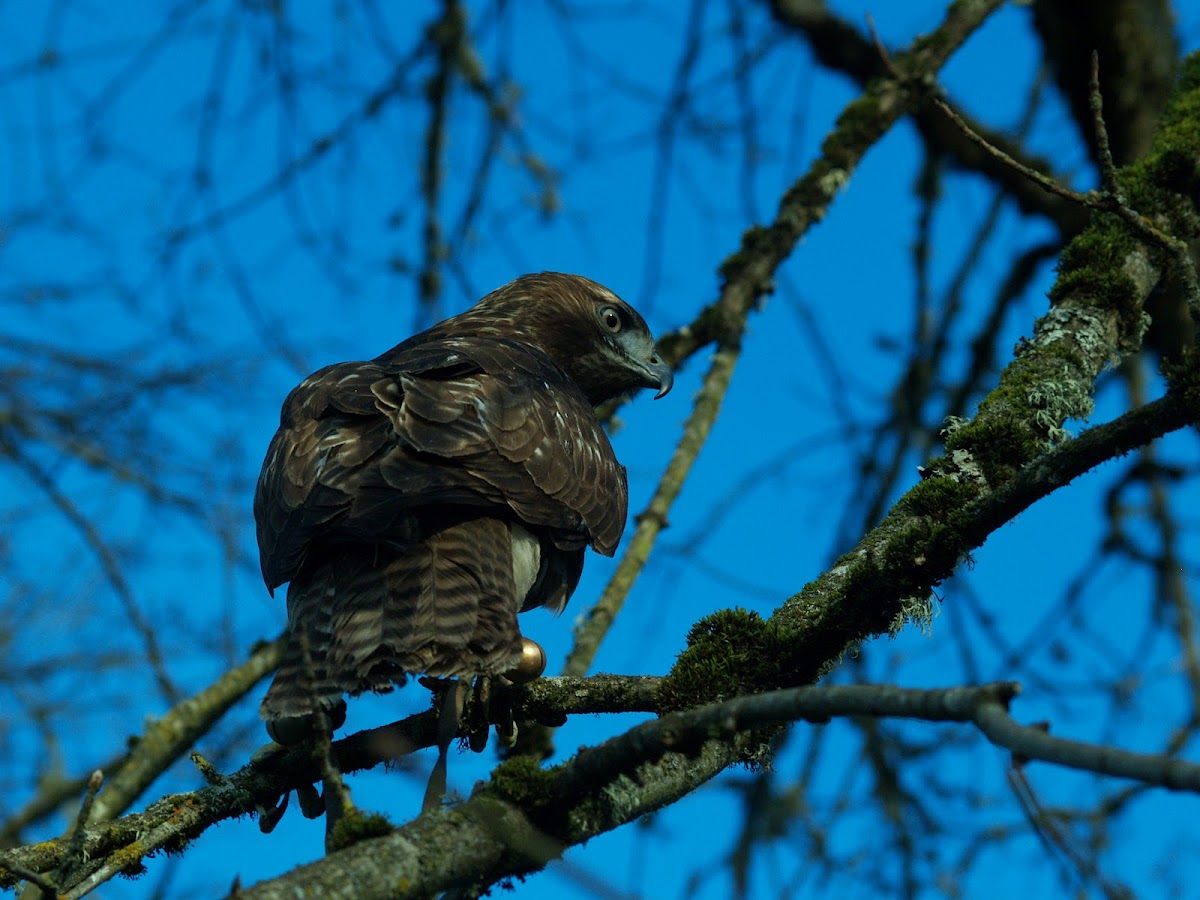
{"points": [[304, 680], [371, 615]]}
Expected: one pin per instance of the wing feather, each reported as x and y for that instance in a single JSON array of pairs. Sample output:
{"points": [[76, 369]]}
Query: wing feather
{"points": [[418, 501], [496, 424]]}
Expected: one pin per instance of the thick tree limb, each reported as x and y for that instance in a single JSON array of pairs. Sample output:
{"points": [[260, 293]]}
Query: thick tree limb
{"points": [[639, 771], [749, 276], [1017, 436], [170, 823]]}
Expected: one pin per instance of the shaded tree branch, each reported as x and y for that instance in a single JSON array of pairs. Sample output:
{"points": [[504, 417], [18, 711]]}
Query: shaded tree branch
{"points": [[840, 46], [749, 275], [1104, 277], [168, 738], [170, 823], [505, 829]]}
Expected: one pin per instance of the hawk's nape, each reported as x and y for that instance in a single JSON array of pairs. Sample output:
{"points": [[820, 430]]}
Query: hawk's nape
{"points": [[416, 502]]}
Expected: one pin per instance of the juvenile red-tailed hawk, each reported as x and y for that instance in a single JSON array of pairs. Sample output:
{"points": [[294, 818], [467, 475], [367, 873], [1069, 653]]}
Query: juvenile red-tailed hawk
{"points": [[417, 502]]}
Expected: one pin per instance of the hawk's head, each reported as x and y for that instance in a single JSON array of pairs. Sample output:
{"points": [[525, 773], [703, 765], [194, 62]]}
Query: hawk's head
{"points": [[598, 338]]}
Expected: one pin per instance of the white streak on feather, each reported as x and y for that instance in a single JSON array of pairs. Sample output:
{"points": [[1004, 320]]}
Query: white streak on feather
{"points": [[526, 560]]}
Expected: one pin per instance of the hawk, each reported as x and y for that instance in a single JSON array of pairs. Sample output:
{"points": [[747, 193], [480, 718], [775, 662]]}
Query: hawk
{"points": [[417, 502]]}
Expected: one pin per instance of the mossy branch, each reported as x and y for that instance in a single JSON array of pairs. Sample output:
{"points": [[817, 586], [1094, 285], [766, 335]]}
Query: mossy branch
{"points": [[527, 816], [1017, 448], [169, 824], [748, 275], [168, 738]]}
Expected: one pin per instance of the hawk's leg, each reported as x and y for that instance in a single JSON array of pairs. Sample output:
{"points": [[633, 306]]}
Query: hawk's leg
{"points": [[451, 699], [335, 796], [531, 666], [473, 718], [479, 714], [502, 715]]}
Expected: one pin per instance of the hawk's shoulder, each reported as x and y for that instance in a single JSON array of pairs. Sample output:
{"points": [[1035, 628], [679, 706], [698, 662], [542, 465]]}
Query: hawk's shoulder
{"points": [[365, 448], [508, 414]]}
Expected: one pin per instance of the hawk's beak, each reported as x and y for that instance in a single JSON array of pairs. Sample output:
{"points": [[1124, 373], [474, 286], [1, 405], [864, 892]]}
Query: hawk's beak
{"points": [[660, 375]]}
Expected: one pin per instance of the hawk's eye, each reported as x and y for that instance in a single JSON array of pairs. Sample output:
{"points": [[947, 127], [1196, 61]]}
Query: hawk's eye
{"points": [[610, 318]]}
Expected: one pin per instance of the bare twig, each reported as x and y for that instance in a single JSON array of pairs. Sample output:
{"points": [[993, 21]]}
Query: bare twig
{"points": [[1045, 182], [1108, 169], [447, 34], [749, 276], [49, 891], [169, 737], [109, 564], [492, 832], [75, 856]]}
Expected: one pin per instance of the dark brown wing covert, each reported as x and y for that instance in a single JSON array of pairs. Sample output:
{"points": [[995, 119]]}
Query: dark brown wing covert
{"points": [[490, 423], [415, 503]]}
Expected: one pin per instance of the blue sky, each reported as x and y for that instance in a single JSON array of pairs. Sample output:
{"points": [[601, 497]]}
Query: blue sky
{"points": [[99, 157]]}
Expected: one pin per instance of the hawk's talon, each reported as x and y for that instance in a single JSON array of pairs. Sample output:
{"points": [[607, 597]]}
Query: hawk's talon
{"points": [[501, 713], [269, 816], [478, 714], [507, 733], [312, 804]]}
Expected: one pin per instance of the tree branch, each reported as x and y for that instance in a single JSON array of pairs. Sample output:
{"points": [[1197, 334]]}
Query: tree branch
{"points": [[840, 46], [749, 276], [170, 823], [1017, 437], [168, 738], [509, 834]]}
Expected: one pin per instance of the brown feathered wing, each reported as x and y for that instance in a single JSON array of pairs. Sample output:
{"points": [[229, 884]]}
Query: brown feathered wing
{"points": [[417, 502]]}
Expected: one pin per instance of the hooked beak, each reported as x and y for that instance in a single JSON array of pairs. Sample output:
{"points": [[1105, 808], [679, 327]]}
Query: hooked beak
{"points": [[658, 374]]}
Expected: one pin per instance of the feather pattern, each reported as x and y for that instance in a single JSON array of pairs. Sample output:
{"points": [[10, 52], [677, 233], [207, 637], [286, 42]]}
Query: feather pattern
{"points": [[415, 503]]}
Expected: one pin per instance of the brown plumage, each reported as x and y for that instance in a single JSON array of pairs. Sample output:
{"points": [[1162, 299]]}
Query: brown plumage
{"points": [[417, 502]]}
